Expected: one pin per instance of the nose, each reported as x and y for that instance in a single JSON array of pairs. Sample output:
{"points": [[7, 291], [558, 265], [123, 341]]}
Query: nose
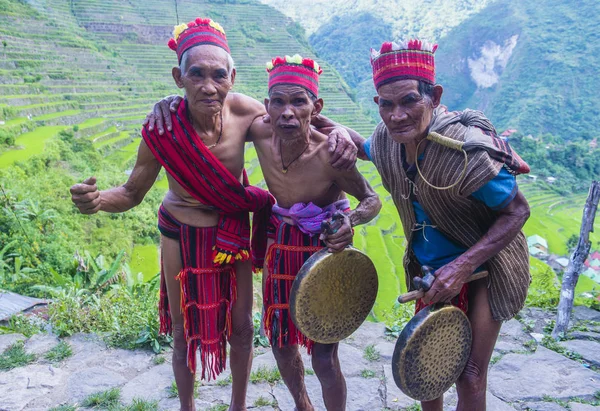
{"points": [[398, 114], [208, 88], [287, 113]]}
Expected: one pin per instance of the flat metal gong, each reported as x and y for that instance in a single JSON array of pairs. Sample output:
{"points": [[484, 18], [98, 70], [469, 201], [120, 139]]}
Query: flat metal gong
{"points": [[333, 294], [432, 351]]}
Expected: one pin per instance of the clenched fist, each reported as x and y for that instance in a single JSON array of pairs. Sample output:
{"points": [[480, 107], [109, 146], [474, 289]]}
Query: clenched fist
{"points": [[86, 196]]}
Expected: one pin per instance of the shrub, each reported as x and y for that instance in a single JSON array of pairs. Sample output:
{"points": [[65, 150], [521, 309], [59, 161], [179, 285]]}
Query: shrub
{"points": [[105, 399], [544, 289], [21, 324], [60, 352], [15, 356]]}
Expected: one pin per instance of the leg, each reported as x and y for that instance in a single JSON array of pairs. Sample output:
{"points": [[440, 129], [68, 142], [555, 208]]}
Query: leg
{"points": [[433, 405], [242, 333], [183, 377], [327, 368], [472, 384], [291, 369]]}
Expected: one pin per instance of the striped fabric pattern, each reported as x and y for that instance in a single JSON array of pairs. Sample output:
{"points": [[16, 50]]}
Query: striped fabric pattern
{"points": [[198, 32], [404, 64], [295, 74], [460, 218], [207, 294], [284, 259]]}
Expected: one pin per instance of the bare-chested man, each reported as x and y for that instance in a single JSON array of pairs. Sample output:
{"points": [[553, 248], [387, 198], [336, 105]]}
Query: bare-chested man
{"points": [[204, 216], [308, 190], [295, 161]]}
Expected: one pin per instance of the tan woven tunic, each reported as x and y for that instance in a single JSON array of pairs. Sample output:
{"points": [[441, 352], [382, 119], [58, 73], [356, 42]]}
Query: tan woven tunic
{"points": [[461, 218]]}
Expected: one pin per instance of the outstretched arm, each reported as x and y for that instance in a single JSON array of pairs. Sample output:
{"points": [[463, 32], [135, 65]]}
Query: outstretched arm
{"points": [[353, 183], [89, 200]]}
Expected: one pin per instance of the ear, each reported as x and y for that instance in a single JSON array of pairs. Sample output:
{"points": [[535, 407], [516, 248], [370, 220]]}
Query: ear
{"points": [[376, 99], [317, 107], [176, 72], [266, 105], [437, 95], [233, 73]]}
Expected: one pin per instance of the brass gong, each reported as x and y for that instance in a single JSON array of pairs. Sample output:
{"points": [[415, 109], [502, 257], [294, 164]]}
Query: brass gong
{"points": [[434, 346], [333, 294], [431, 352]]}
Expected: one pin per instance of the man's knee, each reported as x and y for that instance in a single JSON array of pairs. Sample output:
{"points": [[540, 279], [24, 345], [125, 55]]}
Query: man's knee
{"points": [[242, 334], [285, 354], [473, 378], [179, 343], [324, 361]]}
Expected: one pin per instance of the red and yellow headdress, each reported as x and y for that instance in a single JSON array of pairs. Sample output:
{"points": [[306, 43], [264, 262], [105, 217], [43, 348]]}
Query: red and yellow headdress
{"points": [[196, 33], [295, 70], [409, 59]]}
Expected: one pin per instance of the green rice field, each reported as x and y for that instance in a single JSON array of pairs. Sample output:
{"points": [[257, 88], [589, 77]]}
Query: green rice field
{"points": [[29, 144]]}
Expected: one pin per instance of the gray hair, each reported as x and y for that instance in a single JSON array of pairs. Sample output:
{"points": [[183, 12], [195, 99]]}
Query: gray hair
{"points": [[230, 63], [425, 89]]}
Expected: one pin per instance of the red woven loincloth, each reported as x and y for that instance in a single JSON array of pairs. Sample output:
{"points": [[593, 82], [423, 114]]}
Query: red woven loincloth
{"points": [[284, 259], [207, 294]]}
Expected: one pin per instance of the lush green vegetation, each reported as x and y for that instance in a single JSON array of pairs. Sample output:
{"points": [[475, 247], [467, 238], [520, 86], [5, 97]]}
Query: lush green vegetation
{"points": [[66, 122], [32, 143], [573, 163]]}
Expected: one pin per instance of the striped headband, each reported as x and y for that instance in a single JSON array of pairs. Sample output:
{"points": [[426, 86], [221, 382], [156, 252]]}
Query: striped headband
{"points": [[409, 59], [196, 33], [295, 70]]}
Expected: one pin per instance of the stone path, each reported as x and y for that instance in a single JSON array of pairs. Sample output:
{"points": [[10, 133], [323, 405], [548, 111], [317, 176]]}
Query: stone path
{"points": [[524, 375]]}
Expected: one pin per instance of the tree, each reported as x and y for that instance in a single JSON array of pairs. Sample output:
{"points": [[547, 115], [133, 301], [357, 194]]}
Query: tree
{"points": [[5, 45], [581, 252]]}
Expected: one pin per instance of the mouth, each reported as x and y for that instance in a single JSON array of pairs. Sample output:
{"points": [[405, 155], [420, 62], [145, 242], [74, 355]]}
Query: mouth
{"points": [[209, 101], [400, 130], [288, 126]]}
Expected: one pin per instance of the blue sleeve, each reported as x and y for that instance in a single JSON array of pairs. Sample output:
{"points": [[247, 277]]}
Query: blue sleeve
{"points": [[498, 192], [367, 148]]}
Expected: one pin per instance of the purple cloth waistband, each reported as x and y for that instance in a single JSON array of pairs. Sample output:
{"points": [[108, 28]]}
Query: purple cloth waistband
{"points": [[308, 217]]}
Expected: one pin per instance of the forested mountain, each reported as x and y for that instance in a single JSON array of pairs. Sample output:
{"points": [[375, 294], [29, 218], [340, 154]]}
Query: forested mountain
{"points": [[529, 64]]}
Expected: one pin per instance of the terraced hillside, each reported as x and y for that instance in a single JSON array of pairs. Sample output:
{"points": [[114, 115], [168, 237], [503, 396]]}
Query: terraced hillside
{"points": [[98, 67], [556, 217]]}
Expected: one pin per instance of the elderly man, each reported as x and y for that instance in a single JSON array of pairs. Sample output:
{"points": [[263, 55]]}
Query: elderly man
{"points": [[295, 163], [206, 281], [456, 220]]}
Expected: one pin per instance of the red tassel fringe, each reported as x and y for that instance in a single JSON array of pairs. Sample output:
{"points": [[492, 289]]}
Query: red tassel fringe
{"points": [[201, 318], [293, 335]]}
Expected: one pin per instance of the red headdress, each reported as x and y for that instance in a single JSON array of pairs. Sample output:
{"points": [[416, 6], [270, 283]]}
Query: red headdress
{"points": [[295, 70], [196, 33], [409, 59]]}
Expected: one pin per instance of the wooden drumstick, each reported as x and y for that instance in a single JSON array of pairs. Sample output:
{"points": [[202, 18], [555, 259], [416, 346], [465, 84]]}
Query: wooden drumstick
{"points": [[415, 295]]}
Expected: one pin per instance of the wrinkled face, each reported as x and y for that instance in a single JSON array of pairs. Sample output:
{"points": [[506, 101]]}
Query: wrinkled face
{"points": [[404, 111], [204, 74], [291, 110]]}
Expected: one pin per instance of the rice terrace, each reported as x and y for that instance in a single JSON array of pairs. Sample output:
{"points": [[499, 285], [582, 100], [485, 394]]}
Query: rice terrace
{"points": [[77, 78]]}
